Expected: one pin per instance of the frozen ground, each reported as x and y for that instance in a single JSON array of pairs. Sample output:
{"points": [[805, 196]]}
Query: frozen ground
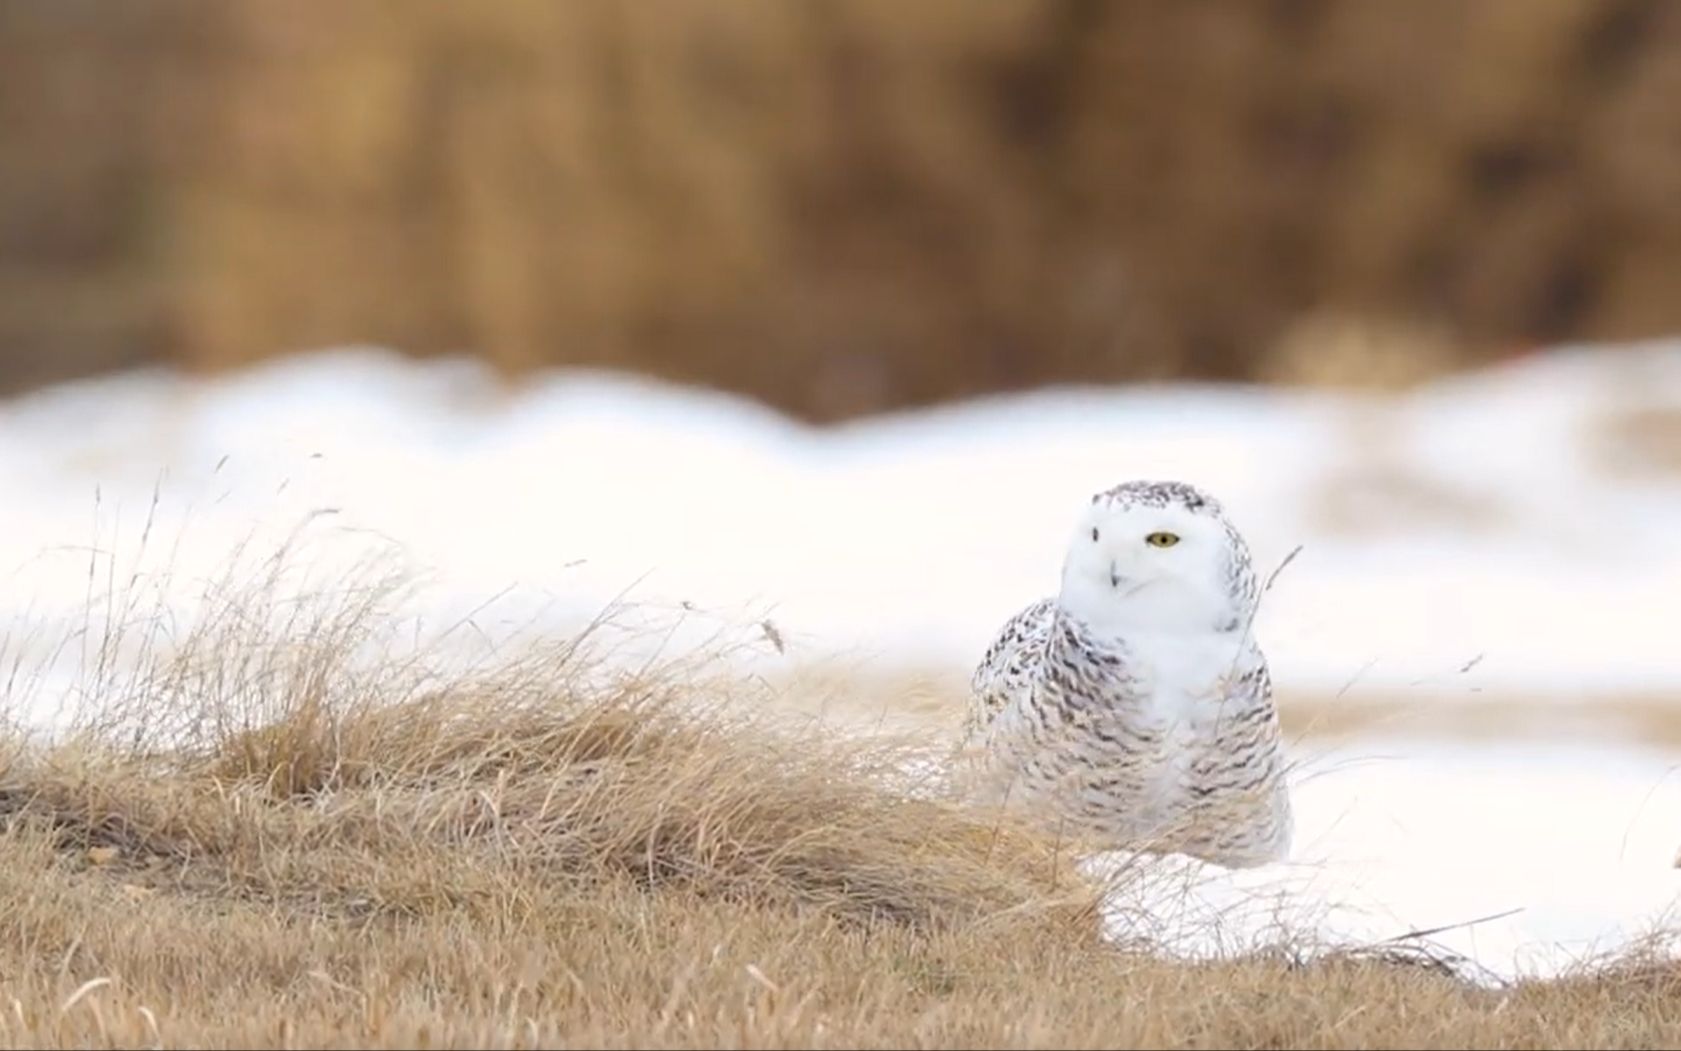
{"points": [[1516, 531]]}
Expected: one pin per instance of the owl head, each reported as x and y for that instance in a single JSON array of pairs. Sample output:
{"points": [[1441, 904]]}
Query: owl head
{"points": [[1162, 556]]}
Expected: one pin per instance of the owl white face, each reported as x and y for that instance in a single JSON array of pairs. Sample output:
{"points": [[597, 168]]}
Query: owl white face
{"points": [[1161, 561]]}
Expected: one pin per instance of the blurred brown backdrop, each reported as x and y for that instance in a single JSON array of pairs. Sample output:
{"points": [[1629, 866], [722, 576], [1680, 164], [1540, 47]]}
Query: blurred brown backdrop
{"points": [[839, 206]]}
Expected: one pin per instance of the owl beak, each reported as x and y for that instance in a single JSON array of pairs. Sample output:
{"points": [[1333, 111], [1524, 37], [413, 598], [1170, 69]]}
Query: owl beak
{"points": [[1114, 575]]}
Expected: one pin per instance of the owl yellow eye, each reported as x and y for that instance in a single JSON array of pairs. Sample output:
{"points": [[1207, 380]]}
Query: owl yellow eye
{"points": [[1162, 539]]}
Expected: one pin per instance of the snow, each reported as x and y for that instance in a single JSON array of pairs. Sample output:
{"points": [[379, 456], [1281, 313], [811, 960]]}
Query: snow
{"points": [[1495, 533], [1476, 520], [1539, 859]]}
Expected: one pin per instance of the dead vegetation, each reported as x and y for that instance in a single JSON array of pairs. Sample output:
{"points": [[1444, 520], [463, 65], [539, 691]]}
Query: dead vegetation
{"points": [[838, 208], [279, 832]]}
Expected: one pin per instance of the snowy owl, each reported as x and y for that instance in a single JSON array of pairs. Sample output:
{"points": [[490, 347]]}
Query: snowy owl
{"points": [[1135, 706]]}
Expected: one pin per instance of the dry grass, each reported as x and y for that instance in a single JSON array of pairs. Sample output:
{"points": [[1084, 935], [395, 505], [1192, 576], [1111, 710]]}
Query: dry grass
{"points": [[839, 208], [277, 833]]}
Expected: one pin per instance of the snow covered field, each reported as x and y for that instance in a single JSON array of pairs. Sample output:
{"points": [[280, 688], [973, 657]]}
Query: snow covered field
{"points": [[1536, 859], [1493, 518], [1516, 531]]}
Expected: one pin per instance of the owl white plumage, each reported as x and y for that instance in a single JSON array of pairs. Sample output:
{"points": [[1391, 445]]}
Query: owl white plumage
{"points": [[1134, 707]]}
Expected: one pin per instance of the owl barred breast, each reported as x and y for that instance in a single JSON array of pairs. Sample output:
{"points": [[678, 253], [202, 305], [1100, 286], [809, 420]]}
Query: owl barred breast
{"points": [[1134, 708]]}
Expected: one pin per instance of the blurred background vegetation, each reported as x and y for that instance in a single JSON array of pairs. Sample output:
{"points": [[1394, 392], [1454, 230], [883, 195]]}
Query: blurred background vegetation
{"points": [[839, 206]]}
